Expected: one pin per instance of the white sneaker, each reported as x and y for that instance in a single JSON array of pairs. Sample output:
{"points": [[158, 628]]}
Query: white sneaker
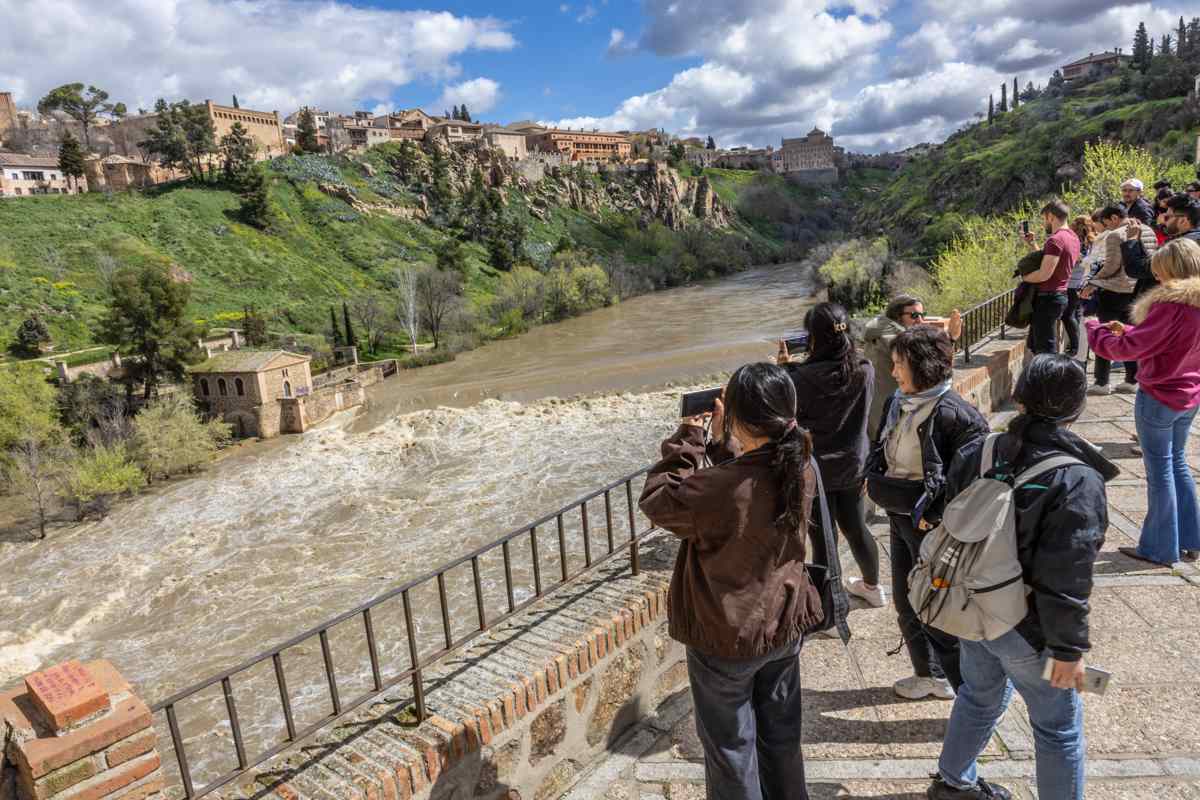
{"points": [[1096, 390], [875, 597], [1127, 388], [915, 687]]}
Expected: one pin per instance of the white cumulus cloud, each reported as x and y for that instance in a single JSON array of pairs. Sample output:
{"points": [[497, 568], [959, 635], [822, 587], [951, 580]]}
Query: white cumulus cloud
{"points": [[480, 96], [273, 54]]}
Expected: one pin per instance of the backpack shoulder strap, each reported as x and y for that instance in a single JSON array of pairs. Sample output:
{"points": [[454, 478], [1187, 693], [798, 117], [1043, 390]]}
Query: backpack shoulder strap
{"points": [[1044, 466], [988, 458]]}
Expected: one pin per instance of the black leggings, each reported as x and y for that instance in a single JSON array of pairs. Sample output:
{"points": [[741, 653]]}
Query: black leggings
{"points": [[848, 515]]}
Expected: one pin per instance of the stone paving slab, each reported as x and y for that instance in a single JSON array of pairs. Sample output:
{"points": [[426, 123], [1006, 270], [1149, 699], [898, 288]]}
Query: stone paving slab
{"points": [[861, 741]]}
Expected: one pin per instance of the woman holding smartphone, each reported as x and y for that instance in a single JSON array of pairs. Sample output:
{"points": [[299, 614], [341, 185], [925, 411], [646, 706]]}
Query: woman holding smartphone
{"points": [[740, 597], [834, 388]]}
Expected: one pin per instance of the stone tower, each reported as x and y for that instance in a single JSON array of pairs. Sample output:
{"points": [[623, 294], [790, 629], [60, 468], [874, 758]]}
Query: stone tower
{"points": [[8, 114]]}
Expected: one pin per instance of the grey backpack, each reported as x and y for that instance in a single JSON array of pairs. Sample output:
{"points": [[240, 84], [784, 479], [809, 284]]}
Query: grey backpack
{"points": [[967, 581]]}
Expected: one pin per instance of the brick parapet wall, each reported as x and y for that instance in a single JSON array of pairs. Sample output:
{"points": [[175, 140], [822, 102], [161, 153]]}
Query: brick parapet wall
{"points": [[78, 732]]}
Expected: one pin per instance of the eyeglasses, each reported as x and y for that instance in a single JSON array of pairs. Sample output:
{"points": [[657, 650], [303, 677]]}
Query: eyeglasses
{"points": [[915, 314]]}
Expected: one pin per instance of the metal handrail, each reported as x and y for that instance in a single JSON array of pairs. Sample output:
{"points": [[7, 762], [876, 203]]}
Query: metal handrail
{"points": [[981, 322], [417, 664]]}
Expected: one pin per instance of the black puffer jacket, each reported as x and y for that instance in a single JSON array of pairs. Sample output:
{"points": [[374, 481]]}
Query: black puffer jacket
{"points": [[1062, 517], [1142, 211], [835, 410], [952, 426]]}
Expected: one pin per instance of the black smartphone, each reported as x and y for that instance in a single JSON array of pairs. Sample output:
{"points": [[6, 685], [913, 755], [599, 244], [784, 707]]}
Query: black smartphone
{"points": [[1025, 227], [694, 404], [796, 344]]}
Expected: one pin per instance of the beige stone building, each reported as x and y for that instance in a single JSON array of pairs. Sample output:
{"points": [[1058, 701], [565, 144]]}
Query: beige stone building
{"points": [[264, 127], [581, 145], [511, 143], [454, 131], [1094, 63], [811, 159], [8, 114], [116, 173], [245, 388], [23, 176], [411, 124]]}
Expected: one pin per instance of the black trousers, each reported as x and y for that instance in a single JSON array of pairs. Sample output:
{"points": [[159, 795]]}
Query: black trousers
{"points": [[1114, 307], [848, 513], [1072, 320], [1043, 331], [932, 652], [748, 720]]}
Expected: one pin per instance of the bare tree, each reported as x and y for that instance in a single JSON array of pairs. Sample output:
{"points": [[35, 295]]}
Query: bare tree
{"points": [[371, 317], [106, 268], [32, 472], [408, 310], [438, 296]]}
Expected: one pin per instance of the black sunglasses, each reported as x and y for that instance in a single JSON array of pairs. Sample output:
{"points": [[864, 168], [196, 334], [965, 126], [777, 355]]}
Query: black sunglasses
{"points": [[915, 314]]}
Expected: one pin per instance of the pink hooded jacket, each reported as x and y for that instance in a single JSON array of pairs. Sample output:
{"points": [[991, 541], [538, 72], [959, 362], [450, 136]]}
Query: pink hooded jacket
{"points": [[1164, 340]]}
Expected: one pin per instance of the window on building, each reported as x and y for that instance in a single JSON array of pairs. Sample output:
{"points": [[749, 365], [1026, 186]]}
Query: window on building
{"points": [[287, 389], [222, 389], [204, 386], [285, 372], [239, 387]]}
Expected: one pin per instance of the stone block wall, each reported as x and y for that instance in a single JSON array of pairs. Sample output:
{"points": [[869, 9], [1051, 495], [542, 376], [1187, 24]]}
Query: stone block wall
{"points": [[77, 732]]}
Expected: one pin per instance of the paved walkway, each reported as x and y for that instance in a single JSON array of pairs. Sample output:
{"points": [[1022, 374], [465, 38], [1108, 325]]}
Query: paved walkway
{"points": [[861, 741]]}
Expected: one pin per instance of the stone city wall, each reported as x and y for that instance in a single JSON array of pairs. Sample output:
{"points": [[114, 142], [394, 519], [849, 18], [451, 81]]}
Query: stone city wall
{"points": [[814, 176]]}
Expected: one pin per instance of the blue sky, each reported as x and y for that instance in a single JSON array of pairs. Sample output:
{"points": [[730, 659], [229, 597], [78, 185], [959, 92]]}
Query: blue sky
{"points": [[879, 74]]}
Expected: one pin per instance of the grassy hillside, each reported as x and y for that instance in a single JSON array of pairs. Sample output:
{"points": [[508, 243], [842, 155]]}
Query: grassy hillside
{"points": [[56, 251], [1029, 153]]}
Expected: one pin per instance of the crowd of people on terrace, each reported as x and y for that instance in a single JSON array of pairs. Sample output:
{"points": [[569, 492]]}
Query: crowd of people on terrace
{"points": [[793, 450]]}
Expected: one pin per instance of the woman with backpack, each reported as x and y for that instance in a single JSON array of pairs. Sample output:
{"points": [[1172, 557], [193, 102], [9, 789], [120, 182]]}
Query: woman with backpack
{"points": [[740, 597], [1061, 518], [834, 386], [924, 424], [1165, 341]]}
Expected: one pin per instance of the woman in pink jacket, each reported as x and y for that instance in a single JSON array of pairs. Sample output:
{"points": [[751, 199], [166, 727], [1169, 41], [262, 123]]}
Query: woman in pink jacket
{"points": [[1165, 341]]}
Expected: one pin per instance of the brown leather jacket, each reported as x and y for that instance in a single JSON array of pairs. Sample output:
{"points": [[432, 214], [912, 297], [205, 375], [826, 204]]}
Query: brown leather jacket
{"points": [[740, 589]]}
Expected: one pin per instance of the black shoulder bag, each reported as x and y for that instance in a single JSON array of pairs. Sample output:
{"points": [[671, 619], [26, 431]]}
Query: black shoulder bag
{"points": [[827, 577]]}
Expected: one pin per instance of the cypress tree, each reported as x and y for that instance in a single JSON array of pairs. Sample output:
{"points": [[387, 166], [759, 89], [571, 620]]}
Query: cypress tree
{"points": [[1141, 48], [235, 102], [70, 158], [991, 108], [350, 340], [1164, 49], [1003, 97], [335, 333], [1182, 44], [1016, 95]]}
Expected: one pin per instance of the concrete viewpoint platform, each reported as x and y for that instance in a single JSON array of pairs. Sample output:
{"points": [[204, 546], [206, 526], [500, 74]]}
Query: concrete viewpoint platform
{"points": [[861, 741]]}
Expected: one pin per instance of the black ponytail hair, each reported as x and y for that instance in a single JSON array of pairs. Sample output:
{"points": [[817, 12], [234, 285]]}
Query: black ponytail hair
{"points": [[828, 327], [1052, 388], [762, 399]]}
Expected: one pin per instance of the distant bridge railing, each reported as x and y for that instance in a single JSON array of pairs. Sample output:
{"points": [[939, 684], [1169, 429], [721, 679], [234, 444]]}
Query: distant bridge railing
{"points": [[985, 322], [525, 536]]}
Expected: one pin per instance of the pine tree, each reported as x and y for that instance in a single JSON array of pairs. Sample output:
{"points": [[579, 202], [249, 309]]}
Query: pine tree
{"points": [[1003, 98], [256, 200], [1141, 48], [238, 151], [463, 114], [351, 341], [306, 132], [991, 108], [335, 333], [70, 158], [1193, 39], [711, 144], [1164, 49], [1181, 39], [1016, 95]]}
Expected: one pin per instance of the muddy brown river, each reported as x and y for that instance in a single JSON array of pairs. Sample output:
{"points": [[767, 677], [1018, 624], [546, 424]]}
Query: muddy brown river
{"points": [[195, 576]]}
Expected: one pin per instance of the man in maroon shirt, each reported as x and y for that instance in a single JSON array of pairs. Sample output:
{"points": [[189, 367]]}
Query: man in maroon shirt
{"points": [[1059, 254]]}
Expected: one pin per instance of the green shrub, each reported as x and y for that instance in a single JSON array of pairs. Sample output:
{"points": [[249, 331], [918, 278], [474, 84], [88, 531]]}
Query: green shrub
{"points": [[169, 438], [97, 475]]}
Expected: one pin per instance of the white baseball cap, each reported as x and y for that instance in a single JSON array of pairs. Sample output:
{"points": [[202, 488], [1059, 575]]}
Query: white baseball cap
{"points": [[1133, 183]]}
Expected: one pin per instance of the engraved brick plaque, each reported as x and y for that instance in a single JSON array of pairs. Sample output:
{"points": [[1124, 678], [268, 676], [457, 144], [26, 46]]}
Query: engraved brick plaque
{"points": [[65, 694]]}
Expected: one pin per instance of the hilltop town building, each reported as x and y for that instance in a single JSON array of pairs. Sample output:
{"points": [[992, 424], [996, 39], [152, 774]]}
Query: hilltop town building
{"points": [[579, 145], [454, 132], [411, 124], [811, 159], [264, 127], [8, 114], [511, 143], [744, 158], [22, 176], [1094, 63]]}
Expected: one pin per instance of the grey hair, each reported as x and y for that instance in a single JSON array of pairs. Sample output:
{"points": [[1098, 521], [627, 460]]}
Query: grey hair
{"points": [[897, 304]]}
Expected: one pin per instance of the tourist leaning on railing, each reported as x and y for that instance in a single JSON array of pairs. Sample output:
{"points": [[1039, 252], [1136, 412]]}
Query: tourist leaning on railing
{"points": [[740, 596], [1165, 340], [924, 424]]}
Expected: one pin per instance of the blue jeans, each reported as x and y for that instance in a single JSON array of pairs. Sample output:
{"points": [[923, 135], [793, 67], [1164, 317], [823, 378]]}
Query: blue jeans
{"points": [[1173, 521], [990, 670]]}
